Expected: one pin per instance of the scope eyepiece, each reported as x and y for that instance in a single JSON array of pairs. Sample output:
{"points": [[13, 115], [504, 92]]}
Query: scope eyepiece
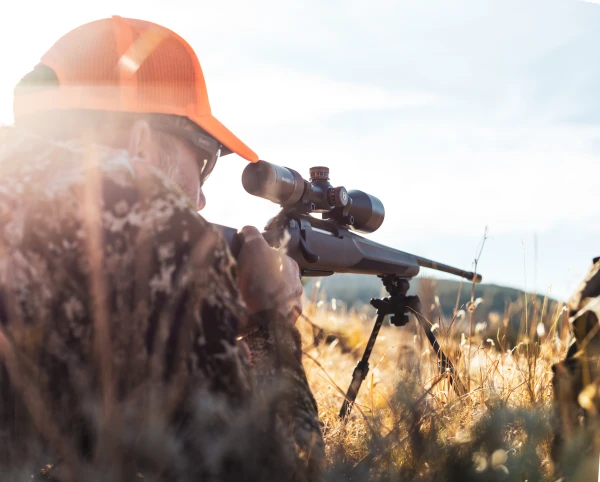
{"points": [[277, 184]]}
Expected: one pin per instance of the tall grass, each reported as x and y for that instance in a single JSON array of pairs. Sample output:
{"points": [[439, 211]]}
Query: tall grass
{"points": [[409, 424]]}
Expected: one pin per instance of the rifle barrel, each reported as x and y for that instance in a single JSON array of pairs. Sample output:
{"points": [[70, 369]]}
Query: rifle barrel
{"points": [[233, 240], [428, 263]]}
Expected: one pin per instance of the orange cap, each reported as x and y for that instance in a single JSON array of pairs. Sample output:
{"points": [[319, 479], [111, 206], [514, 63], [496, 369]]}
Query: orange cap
{"points": [[127, 65]]}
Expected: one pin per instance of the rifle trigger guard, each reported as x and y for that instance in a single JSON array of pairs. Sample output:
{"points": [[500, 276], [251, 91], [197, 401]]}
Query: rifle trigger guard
{"points": [[307, 253]]}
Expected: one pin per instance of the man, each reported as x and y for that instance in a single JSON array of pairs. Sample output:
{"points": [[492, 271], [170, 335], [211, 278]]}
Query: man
{"points": [[576, 380], [120, 307]]}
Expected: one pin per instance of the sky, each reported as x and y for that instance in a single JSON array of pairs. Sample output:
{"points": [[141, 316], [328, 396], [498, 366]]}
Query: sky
{"points": [[458, 115]]}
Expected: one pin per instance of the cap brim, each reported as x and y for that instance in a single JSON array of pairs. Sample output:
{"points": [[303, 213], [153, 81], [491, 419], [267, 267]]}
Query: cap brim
{"points": [[211, 125]]}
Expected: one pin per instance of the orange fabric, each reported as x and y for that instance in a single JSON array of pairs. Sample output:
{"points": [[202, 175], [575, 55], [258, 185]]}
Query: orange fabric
{"points": [[129, 65]]}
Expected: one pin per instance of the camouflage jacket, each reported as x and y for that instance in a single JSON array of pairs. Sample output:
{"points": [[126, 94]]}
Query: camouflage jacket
{"points": [[584, 306], [114, 292], [577, 377]]}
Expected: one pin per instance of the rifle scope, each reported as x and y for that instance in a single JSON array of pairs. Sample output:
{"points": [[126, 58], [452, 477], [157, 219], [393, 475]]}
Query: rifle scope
{"points": [[286, 187]]}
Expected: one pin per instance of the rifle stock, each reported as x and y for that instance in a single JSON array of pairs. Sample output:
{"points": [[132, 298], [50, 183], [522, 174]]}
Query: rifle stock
{"points": [[321, 249]]}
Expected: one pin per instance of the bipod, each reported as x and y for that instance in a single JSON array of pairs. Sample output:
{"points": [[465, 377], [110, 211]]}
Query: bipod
{"points": [[399, 305]]}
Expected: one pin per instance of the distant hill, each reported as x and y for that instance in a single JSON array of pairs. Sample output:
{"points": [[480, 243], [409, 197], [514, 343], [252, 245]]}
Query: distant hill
{"points": [[498, 304], [357, 290]]}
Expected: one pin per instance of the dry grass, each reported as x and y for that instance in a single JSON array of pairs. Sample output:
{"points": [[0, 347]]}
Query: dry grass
{"points": [[408, 424]]}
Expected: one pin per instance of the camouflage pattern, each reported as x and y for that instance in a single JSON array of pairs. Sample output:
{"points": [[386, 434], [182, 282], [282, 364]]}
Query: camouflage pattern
{"points": [[576, 379], [113, 290]]}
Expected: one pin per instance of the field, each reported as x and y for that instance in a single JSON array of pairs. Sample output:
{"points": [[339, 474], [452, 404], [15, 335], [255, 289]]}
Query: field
{"points": [[409, 424]]}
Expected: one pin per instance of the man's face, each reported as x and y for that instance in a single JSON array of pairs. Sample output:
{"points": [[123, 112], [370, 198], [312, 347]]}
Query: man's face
{"points": [[179, 160]]}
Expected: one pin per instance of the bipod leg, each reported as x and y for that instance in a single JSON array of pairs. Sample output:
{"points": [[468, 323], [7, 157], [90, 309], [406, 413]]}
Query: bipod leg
{"points": [[361, 369], [445, 362]]}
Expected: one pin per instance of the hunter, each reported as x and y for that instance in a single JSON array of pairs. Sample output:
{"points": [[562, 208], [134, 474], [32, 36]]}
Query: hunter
{"points": [[118, 301]]}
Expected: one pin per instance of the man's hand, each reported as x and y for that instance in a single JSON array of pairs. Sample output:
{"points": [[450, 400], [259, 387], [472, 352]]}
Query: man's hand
{"points": [[268, 279]]}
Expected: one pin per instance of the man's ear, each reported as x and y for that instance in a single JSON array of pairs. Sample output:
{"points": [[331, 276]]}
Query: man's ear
{"points": [[140, 140]]}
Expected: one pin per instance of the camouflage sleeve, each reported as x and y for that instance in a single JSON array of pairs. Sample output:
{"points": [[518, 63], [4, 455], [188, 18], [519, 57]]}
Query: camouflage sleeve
{"points": [[276, 349], [112, 288], [115, 292], [580, 368], [584, 308]]}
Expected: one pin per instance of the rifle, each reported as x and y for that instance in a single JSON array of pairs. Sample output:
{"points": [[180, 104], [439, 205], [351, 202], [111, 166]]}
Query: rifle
{"points": [[331, 244]]}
